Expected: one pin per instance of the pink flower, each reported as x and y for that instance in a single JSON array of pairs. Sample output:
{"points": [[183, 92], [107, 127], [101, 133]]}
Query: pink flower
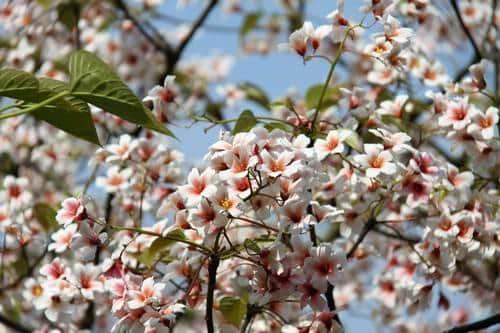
{"points": [[423, 164], [458, 114], [333, 144], [62, 238], [312, 294], [15, 192], [340, 24], [150, 292], [206, 215], [86, 241], [484, 125], [85, 278], [198, 185], [276, 164], [116, 179], [324, 265], [72, 211], [54, 270], [162, 97], [394, 107], [376, 160]]}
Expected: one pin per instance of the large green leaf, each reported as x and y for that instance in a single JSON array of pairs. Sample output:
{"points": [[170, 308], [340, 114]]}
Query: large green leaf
{"points": [[17, 84], [46, 216], [233, 309], [314, 93], [70, 114], [93, 81], [159, 245], [246, 121], [255, 94]]}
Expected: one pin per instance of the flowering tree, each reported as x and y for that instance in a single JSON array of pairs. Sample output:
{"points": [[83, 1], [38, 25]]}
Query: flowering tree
{"points": [[376, 190]]}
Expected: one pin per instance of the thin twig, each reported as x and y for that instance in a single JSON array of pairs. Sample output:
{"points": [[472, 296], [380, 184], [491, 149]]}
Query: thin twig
{"points": [[161, 45], [366, 229], [477, 325], [184, 42], [477, 53]]}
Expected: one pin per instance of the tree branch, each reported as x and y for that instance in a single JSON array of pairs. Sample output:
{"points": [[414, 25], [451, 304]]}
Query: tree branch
{"points": [[161, 45], [196, 25], [213, 264], [477, 52], [330, 300], [13, 325], [366, 229], [477, 325]]}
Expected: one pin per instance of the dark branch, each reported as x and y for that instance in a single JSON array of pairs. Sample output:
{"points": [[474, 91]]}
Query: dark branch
{"points": [[161, 44], [13, 325], [329, 291], [396, 236], [207, 27], [196, 25], [478, 325], [213, 264], [477, 52], [366, 229]]}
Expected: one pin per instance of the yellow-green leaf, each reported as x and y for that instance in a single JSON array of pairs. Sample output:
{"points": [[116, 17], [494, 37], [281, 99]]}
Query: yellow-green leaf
{"points": [[246, 121], [159, 245], [46, 216], [255, 94], [233, 309]]}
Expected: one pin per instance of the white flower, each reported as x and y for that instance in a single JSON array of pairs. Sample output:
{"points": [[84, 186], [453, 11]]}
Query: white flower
{"points": [[332, 144], [376, 160], [115, 179], [484, 125], [62, 238]]}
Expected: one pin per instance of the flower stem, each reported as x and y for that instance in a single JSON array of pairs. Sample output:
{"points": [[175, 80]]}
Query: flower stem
{"points": [[36, 106], [329, 77]]}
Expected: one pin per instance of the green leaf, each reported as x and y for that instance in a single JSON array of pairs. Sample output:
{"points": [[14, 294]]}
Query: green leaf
{"points": [[314, 93], [252, 245], [277, 104], [233, 309], [255, 94], [93, 81], [214, 111], [44, 3], [46, 216], [69, 114], [277, 125], [249, 23], [159, 245], [353, 140], [17, 84], [5, 43], [246, 121], [67, 13]]}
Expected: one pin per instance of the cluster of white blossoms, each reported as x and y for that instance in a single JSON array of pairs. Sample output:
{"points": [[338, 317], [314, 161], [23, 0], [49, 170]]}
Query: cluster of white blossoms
{"points": [[376, 191]]}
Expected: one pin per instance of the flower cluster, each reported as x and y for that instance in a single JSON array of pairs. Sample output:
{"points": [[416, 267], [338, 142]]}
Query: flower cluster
{"points": [[376, 190]]}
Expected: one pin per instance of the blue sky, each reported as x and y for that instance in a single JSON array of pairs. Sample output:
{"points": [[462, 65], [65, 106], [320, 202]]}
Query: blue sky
{"points": [[275, 73]]}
